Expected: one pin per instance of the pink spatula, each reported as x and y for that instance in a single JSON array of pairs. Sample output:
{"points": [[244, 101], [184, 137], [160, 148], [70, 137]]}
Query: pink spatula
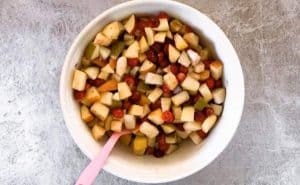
{"points": [[89, 174]]}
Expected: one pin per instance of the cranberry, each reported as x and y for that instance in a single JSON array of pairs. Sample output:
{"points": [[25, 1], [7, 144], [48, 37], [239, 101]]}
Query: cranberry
{"points": [[149, 150], [199, 116], [158, 153], [79, 95], [163, 15], [196, 98], [161, 140], [135, 97], [132, 62], [183, 69], [219, 83], [166, 91], [180, 127], [206, 64], [174, 68], [166, 48], [180, 76], [87, 86], [202, 134], [117, 113], [97, 82], [155, 105], [208, 111], [157, 47], [210, 82], [164, 63], [130, 80], [151, 56], [168, 116], [160, 56], [126, 105]]}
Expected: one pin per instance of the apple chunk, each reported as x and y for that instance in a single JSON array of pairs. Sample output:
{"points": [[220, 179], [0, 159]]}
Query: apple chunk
{"points": [[143, 45], [187, 113], [150, 35], [163, 25], [165, 104], [79, 80], [180, 98], [86, 115], [121, 66], [92, 72], [219, 95], [153, 79], [148, 129], [155, 94], [156, 117], [92, 95], [208, 123], [100, 110], [130, 24], [217, 109], [112, 30], [98, 132], [192, 39], [184, 59], [192, 126], [102, 40], [190, 84], [180, 42], [173, 53], [124, 90], [129, 121], [133, 50], [106, 98], [216, 69], [195, 57], [136, 110], [160, 37], [147, 66], [170, 80], [168, 128], [139, 145], [116, 125], [205, 92], [195, 138]]}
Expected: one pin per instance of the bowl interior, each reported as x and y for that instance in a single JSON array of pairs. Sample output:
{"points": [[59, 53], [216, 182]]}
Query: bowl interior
{"points": [[189, 158]]}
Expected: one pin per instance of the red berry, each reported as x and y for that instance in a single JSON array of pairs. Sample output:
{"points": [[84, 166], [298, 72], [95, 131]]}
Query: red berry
{"points": [[130, 80], [179, 127], [117, 113], [208, 111], [210, 82], [180, 76], [132, 62], [149, 150], [164, 63], [206, 64], [160, 56], [163, 15], [168, 117], [126, 105], [155, 105], [196, 97], [135, 97], [219, 83], [199, 116], [183, 69], [174, 68], [79, 95], [151, 56], [202, 134], [97, 82], [161, 141], [158, 153], [166, 48], [156, 47], [87, 86], [165, 88]]}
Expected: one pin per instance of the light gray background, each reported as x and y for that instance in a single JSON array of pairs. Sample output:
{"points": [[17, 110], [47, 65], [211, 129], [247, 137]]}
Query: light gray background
{"points": [[36, 148]]}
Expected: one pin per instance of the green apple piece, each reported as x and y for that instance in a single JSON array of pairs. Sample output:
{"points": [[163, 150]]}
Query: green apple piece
{"points": [[85, 62], [192, 126], [156, 117], [143, 44], [205, 92], [100, 110], [175, 25], [216, 68], [98, 132], [180, 98], [187, 113], [139, 145], [116, 49], [192, 39], [184, 59], [136, 110], [171, 149], [194, 56], [170, 80], [92, 51], [116, 104], [124, 90], [102, 40], [116, 125], [133, 50], [171, 139], [112, 30], [155, 94], [150, 35], [180, 43], [107, 69], [92, 72], [106, 98], [153, 79], [104, 52], [168, 128], [190, 84], [208, 123], [160, 37], [147, 66], [79, 80], [163, 25], [142, 87], [165, 104], [130, 24], [173, 53], [148, 129], [219, 95], [121, 66], [200, 104], [217, 108], [195, 138], [129, 121]]}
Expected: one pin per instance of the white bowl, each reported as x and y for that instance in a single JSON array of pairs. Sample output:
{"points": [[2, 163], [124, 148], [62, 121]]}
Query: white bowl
{"points": [[189, 158]]}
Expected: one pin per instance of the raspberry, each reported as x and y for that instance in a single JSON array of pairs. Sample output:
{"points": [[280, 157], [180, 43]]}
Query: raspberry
{"points": [[180, 76], [168, 117], [79, 95], [117, 113], [199, 116], [132, 62]]}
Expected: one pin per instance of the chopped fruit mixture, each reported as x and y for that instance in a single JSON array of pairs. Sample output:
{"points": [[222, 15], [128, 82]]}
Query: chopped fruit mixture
{"points": [[149, 74]]}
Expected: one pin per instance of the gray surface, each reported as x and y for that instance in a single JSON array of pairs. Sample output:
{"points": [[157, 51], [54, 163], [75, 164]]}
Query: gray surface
{"points": [[36, 147]]}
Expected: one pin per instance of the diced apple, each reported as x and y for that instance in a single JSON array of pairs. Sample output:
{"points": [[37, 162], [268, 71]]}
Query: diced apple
{"points": [[195, 138], [104, 52], [192, 39], [142, 57], [112, 30], [102, 40], [136, 110], [107, 69], [219, 95], [171, 139], [116, 96], [130, 121], [92, 72], [168, 128], [106, 98], [200, 104], [156, 117], [116, 49], [150, 35], [165, 104], [124, 90], [100, 110], [180, 98], [199, 67], [147, 66], [208, 123], [194, 56], [205, 54], [79, 80], [148, 129], [125, 139], [163, 25], [116, 125], [103, 75], [130, 24], [121, 66], [192, 126], [133, 50], [217, 109], [190, 84], [134, 71], [146, 110], [86, 115], [143, 45], [216, 69], [92, 95], [194, 75], [204, 75], [171, 149], [205, 92], [177, 112], [180, 42], [155, 94], [175, 25], [169, 34], [183, 134], [167, 69], [170, 80], [110, 85], [107, 122], [128, 39], [139, 145], [184, 59], [173, 53], [151, 142], [160, 37], [187, 113], [142, 76], [98, 132], [85, 62], [153, 79]]}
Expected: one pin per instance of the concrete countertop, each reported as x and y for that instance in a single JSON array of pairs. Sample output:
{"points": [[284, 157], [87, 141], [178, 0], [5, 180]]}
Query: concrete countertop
{"points": [[36, 147]]}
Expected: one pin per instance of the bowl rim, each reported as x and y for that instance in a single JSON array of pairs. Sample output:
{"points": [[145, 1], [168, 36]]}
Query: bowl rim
{"points": [[86, 29]]}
